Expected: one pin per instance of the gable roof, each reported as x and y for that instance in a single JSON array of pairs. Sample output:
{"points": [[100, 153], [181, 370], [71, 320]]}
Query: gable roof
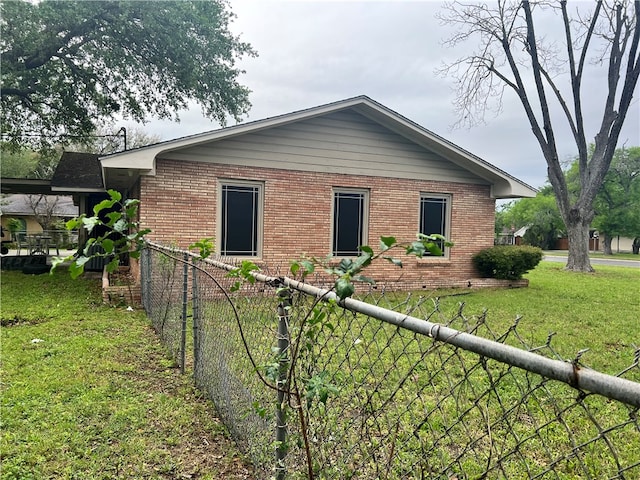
{"points": [[121, 168], [20, 204], [77, 172]]}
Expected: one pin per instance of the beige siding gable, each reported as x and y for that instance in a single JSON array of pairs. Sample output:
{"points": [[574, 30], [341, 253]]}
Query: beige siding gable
{"points": [[342, 142]]}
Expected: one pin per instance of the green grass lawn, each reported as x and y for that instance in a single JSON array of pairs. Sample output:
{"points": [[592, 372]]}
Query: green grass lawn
{"points": [[598, 311], [615, 256], [89, 392], [471, 412]]}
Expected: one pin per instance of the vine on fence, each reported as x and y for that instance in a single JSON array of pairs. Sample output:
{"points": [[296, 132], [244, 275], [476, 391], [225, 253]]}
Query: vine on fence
{"points": [[349, 270], [122, 235]]}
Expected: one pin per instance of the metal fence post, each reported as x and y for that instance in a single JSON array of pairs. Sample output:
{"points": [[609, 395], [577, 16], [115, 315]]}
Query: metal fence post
{"points": [[146, 279], [185, 286], [196, 320], [283, 351]]}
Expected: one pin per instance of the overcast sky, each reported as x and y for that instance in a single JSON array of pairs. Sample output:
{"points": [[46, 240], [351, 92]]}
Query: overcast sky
{"points": [[312, 53]]}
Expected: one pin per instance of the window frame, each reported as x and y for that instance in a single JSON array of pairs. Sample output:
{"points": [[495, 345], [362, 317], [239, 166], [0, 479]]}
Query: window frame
{"points": [[363, 225], [448, 200], [258, 216]]}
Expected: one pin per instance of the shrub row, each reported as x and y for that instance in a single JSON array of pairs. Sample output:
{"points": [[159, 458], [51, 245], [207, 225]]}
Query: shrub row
{"points": [[507, 262]]}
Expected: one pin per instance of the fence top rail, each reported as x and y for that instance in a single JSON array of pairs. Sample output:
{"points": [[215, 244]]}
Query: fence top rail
{"points": [[570, 373]]}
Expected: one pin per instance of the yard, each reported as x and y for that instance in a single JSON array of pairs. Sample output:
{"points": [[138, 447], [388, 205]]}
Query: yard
{"points": [[599, 312], [89, 392], [86, 397]]}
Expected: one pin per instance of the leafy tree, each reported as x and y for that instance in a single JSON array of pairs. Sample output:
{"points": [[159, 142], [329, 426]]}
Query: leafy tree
{"points": [[68, 65], [110, 140], [539, 214], [18, 163], [617, 204], [25, 162], [510, 55]]}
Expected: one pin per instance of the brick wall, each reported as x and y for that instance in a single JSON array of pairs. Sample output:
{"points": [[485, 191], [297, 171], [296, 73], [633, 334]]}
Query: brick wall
{"points": [[179, 206]]}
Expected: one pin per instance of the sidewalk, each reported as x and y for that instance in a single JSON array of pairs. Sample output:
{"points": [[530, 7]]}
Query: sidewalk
{"points": [[561, 256]]}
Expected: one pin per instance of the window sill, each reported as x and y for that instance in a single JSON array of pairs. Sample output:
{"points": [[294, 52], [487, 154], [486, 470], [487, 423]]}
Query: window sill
{"points": [[424, 261]]}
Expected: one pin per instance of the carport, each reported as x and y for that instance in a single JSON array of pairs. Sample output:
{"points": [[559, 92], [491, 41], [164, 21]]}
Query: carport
{"points": [[78, 175]]}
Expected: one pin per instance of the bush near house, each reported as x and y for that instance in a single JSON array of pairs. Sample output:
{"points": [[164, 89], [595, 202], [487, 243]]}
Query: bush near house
{"points": [[507, 262]]}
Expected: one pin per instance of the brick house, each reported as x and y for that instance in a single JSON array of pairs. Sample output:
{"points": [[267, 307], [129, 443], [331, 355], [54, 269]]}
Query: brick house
{"points": [[319, 182]]}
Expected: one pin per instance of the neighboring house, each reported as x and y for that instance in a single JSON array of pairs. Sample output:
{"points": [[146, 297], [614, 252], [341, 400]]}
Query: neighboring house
{"points": [[319, 182], [619, 244], [25, 207]]}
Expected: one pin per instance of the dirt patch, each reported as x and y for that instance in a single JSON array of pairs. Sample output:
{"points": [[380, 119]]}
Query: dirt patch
{"points": [[17, 321], [204, 448]]}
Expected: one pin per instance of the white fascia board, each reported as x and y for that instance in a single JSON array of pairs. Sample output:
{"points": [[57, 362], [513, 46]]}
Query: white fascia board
{"points": [[503, 184], [76, 190]]}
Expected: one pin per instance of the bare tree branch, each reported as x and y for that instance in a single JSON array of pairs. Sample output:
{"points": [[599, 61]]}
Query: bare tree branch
{"points": [[510, 54]]}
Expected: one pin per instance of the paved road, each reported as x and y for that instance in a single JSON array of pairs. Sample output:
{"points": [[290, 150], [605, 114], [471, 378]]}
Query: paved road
{"points": [[597, 261]]}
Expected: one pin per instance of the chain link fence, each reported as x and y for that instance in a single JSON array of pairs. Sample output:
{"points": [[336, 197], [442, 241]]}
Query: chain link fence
{"points": [[384, 386]]}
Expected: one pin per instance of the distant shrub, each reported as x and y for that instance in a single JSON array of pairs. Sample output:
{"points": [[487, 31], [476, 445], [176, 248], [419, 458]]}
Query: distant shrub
{"points": [[507, 262]]}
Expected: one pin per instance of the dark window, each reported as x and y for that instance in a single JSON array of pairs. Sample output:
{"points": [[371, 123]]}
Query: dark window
{"points": [[240, 220], [349, 222], [434, 214]]}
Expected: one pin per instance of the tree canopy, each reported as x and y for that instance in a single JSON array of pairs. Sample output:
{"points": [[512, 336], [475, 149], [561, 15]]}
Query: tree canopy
{"points": [[543, 52], [539, 214], [617, 205], [25, 162], [66, 66]]}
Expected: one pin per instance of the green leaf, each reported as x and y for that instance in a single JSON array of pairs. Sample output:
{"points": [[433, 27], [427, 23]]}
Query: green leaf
{"points": [[395, 261], [104, 204], [387, 242], [367, 249], [294, 268], [308, 266], [115, 195], [87, 246], [56, 261], [434, 249], [112, 266], [113, 218], [344, 288], [81, 260], [75, 269], [204, 246], [345, 265], [260, 410], [74, 222], [90, 222], [107, 244], [318, 316], [361, 262], [120, 226], [416, 248]]}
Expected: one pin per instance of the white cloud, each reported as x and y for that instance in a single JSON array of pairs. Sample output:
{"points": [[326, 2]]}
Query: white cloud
{"points": [[311, 53]]}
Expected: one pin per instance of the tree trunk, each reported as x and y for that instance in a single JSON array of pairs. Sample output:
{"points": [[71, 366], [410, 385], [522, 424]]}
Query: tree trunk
{"points": [[578, 236], [606, 244]]}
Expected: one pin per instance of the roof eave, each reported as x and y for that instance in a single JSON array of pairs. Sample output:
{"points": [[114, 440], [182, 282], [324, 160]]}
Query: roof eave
{"points": [[504, 185]]}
